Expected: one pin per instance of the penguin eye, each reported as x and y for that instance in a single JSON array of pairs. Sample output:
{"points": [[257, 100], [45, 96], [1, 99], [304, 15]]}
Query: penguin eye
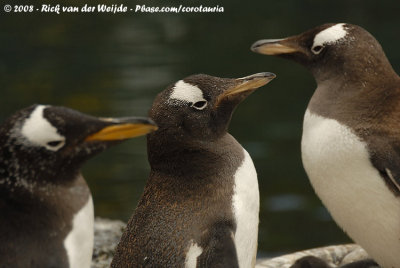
{"points": [[54, 143], [317, 49], [200, 105]]}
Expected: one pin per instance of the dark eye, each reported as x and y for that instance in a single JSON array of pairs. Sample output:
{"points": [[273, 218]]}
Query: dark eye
{"points": [[200, 105], [317, 49], [54, 143]]}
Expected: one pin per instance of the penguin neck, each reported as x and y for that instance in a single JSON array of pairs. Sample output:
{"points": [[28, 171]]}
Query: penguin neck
{"points": [[190, 157], [353, 92], [28, 174]]}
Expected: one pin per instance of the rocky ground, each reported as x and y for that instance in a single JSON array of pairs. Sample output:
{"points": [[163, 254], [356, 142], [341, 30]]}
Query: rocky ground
{"points": [[106, 237], [335, 256], [108, 233]]}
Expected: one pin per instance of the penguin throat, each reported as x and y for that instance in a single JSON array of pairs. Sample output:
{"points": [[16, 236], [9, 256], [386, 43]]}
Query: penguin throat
{"points": [[17, 173], [187, 156]]}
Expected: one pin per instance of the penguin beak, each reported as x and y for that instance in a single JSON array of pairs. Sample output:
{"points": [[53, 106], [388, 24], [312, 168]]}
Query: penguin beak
{"points": [[123, 128], [245, 85], [276, 46]]}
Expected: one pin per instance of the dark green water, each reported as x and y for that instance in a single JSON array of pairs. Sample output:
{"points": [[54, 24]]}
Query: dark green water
{"points": [[114, 65]]}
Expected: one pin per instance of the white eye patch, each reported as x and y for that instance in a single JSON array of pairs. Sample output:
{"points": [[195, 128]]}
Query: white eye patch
{"points": [[38, 131], [330, 35], [185, 92]]}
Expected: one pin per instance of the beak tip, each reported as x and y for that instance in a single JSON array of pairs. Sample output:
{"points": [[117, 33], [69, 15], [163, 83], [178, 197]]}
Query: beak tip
{"points": [[154, 127], [254, 47], [273, 47], [270, 75], [123, 129], [259, 76]]}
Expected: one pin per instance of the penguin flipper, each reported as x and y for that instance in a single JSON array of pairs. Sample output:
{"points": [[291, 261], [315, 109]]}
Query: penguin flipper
{"points": [[219, 251], [385, 157]]}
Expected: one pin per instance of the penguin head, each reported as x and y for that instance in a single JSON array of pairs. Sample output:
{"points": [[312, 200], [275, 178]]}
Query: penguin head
{"points": [[200, 106], [331, 50], [53, 141]]}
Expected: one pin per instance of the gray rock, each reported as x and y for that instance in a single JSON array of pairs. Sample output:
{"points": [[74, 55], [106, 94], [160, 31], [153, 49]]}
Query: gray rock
{"points": [[335, 256], [107, 234]]}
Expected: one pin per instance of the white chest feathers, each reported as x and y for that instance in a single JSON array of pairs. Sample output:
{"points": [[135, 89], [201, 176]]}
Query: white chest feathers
{"points": [[338, 166], [79, 242], [192, 254], [246, 206]]}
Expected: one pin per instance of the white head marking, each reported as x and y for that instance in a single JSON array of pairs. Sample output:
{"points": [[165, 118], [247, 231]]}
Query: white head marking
{"points": [[39, 131], [330, 35], [185, 92]]}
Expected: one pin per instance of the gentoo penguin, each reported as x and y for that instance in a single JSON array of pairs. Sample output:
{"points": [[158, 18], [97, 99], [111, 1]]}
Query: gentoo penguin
{"points": [[46, 207], [201, 202], [351, 132]]}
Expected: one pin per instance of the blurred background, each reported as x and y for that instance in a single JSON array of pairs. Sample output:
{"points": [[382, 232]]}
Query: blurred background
{"points": [[115, 64]]}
